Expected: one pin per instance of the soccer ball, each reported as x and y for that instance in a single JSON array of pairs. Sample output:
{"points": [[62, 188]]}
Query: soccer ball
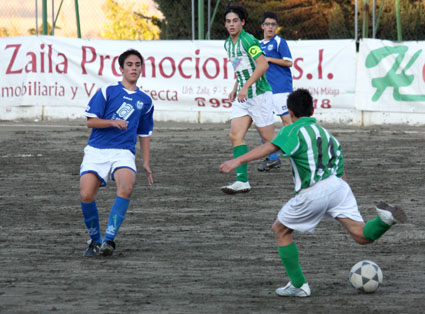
{"points": [[366, 276]]}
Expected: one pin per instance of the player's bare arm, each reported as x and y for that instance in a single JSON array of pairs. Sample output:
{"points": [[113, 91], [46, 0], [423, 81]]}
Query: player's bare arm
{"points": [[257, 153], [145, 148], [97, 123], [232, 94], [261, 68], [281, 62]]}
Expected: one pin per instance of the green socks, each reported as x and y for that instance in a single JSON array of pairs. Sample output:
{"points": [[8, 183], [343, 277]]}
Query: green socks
{"points": [[289, 257], [375, 228], [241, 171]]}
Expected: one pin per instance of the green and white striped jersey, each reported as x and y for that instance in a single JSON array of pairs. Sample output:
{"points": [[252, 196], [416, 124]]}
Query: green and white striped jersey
{"points": [[313, 152], [242, 55]]}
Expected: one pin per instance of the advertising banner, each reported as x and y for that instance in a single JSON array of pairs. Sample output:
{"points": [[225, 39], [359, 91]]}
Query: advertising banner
{"points": [[391, 76], [178, 75]]}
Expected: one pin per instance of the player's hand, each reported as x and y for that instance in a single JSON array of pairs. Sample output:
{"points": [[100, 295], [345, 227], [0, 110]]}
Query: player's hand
{"points": [[229, 165], [148, 172], [243, 95], [232, 96], [119, 124]]}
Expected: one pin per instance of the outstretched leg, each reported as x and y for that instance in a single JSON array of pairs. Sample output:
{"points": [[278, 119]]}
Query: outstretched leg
{"points": [[365, 233]]}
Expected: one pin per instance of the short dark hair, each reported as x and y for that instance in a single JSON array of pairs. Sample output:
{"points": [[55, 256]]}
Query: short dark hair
{"points": [[270, 15], [300, 102], [238, 10], [126, 54]]}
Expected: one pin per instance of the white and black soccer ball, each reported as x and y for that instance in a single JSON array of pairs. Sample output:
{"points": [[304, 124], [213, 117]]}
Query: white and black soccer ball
{"points": [[366, 276]]}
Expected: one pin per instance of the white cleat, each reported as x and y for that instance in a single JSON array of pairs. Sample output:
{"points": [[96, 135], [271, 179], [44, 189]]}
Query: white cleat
{"points": [[236, 187], [290, 291], [390, 214]]}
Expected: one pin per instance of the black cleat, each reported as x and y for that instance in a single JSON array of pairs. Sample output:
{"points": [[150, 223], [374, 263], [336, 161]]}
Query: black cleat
{"points": [[93, 249], [269, 164], [107, 248]]}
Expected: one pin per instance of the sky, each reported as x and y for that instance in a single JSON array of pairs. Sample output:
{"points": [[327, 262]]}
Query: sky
{"points": [[19, 15]]}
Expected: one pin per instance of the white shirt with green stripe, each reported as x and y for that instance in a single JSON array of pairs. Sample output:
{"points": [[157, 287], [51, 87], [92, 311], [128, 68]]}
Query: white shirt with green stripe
{"points": [[242, 55], [313, 152]]}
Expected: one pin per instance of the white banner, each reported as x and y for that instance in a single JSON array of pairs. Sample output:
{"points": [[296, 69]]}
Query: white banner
{"points": [[178, 75], [327, 68], [391, 76]]}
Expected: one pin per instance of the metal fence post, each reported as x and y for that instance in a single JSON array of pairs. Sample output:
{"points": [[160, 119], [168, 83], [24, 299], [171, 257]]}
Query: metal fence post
{"points": [[200, 19], [44, 15], [398, 19], [77, 14]]}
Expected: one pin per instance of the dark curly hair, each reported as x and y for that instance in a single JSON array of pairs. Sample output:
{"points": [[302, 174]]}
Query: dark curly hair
{"points": [[300, 102]]}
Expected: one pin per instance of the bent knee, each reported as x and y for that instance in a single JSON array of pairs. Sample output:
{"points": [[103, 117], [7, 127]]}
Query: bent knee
{"points": [[279, 228]]}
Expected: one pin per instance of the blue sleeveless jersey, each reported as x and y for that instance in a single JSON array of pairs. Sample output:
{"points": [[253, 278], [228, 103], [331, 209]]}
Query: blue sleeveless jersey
{"points": [[280, 78], [115, 102]]}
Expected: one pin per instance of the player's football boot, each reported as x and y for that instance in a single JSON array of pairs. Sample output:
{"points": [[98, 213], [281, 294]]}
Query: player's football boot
{"points": [[269, 164], [93, 249], [236, 187], [290, 291], [107, 248], [390, 214]]}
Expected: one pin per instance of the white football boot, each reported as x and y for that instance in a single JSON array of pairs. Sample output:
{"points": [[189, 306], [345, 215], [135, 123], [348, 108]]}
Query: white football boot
{"points": [[290, 291], [236, 187], [390, 214]]}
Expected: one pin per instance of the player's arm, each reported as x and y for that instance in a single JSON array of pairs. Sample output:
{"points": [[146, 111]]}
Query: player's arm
{"points": [[280, 62], [97, 123], [145, 147], [257, 153], [232, 94], [260, 68]]}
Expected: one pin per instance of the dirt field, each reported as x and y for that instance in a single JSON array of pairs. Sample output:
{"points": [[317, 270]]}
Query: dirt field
{"points": [[185, 247]]}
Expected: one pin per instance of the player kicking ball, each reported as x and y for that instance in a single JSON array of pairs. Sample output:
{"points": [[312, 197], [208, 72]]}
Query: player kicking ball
{"points": [[320, 189], [118, 114]]}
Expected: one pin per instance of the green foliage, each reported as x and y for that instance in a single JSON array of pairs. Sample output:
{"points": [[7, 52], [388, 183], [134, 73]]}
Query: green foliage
{"points": [[412, 14], [298, 19], [126, 23], [177, 23], [4, 32], [338, 22], [32, 31]]}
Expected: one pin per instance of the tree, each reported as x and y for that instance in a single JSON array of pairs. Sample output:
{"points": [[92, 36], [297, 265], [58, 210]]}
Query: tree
{"points": [[299, 19], [4, 32], [32, 31], [127, 23], [177, 23]]}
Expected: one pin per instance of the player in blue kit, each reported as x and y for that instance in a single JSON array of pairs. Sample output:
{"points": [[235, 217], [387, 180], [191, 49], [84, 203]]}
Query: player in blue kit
{"points": [[117, 114], [278, 75]]}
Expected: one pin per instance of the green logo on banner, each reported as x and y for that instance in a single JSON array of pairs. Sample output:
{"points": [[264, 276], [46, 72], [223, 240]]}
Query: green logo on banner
{"points": [[395, 77]]}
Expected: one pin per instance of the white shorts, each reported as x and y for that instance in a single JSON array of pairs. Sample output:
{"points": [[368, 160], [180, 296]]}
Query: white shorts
{"points": [[259, 108], [103, 162], [331, 197], [280, 107]]}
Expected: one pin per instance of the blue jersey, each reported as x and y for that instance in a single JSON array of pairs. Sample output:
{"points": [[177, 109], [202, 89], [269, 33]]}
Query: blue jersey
{"points": [[115, 102], [280, 78]]}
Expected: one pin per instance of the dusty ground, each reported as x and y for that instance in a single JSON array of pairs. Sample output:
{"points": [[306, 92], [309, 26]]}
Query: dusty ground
{"points": [[185, 247]]}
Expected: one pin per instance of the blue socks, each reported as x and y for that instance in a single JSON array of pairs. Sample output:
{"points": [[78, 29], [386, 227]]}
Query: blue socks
{"points": [[116, 217], [91, 219], [272, 156]]}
